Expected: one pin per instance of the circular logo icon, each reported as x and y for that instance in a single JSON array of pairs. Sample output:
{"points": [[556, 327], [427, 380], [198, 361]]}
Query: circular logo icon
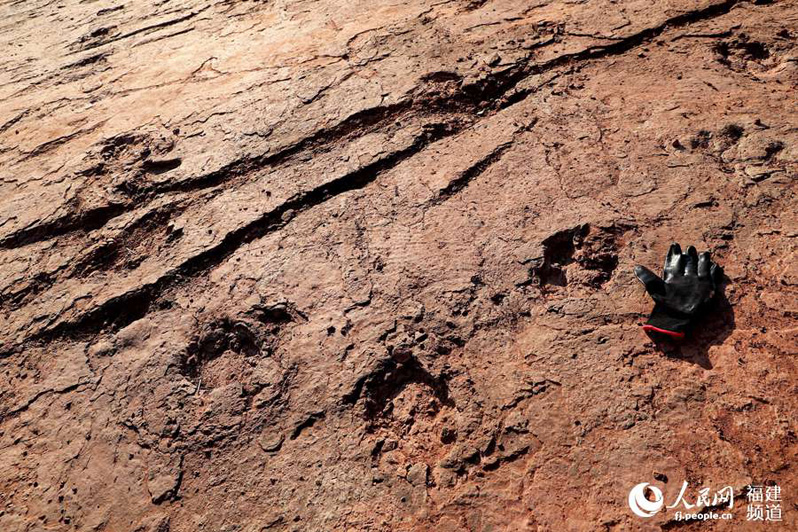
{"points": [[640, 504]]}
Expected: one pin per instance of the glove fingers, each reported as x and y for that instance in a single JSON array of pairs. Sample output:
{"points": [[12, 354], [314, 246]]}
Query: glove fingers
{"points": [[704, 264], [654, 285], [674, 261], [691, 261]]}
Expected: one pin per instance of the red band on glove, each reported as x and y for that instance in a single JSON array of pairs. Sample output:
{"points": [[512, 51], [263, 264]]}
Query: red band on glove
{"points": [[651, 328]]}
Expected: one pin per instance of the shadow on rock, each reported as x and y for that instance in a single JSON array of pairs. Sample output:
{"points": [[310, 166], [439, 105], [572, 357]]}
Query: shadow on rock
{"points": [[712, 329]]}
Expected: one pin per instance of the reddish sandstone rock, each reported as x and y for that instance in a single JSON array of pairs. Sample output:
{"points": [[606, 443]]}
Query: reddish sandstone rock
{"points": [[360, 266]]}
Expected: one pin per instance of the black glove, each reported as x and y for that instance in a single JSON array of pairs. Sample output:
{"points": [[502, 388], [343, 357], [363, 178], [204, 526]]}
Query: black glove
{"points": [[690, 283]]}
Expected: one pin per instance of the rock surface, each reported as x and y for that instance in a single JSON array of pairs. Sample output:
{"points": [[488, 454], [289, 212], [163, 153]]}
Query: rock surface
{"points": [[335, 265]]}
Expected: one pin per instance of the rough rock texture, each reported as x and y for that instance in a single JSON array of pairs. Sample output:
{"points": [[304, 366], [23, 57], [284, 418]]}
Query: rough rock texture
{"points": [[344, 265]]}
